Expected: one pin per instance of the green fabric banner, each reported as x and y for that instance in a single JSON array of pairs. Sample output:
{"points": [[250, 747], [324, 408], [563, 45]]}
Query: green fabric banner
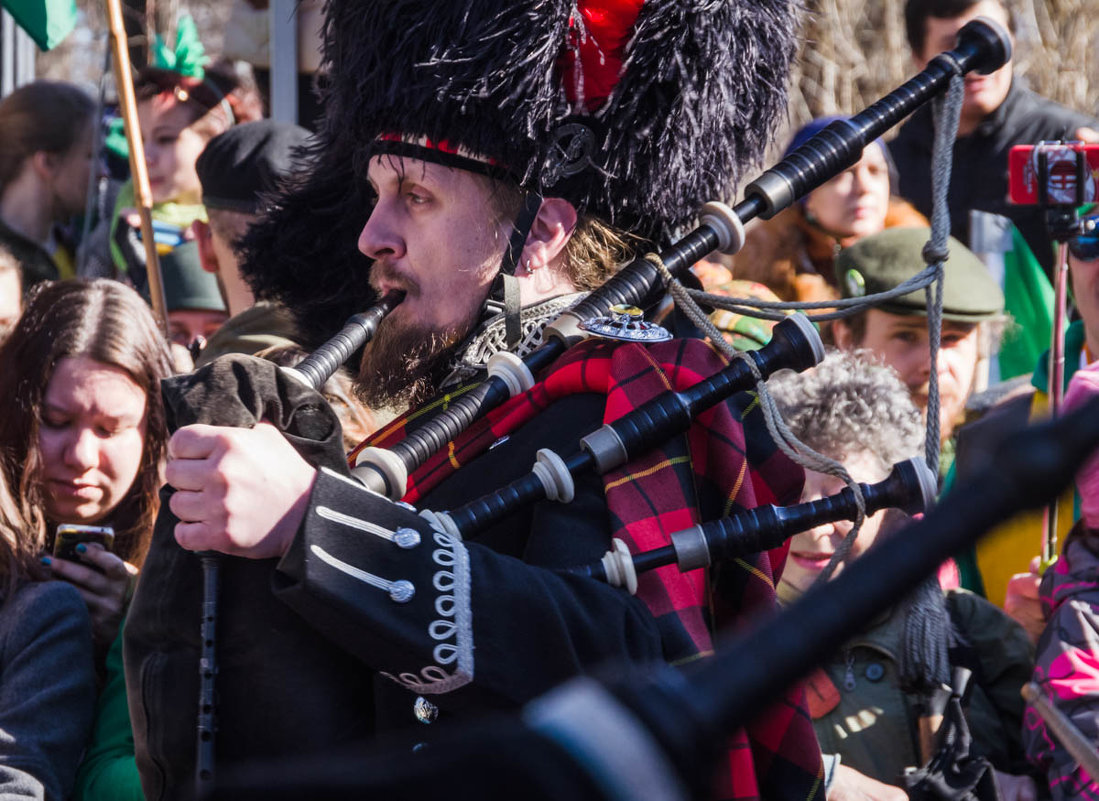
{"points": [[1028, 298], [48, 22]]}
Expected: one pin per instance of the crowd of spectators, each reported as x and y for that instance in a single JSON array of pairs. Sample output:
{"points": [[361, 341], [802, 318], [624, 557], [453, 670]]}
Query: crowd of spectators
{"points": [[83, 438]]}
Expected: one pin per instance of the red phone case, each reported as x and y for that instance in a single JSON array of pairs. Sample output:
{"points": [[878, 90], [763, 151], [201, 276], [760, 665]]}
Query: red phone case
{"points": [[1061, 158]]}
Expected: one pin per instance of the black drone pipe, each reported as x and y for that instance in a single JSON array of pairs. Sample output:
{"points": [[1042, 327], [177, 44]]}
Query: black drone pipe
{"points": [[982, 46], [657, 734], [314, 371], [316, 368], [910, 486], [795, 344]]}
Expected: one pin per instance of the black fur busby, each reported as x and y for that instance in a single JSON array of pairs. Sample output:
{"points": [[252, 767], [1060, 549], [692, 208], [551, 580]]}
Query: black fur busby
{"points": [[637, 111]]}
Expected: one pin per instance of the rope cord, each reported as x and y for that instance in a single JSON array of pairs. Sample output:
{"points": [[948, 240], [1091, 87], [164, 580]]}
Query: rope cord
{"points": [[947, 112], [787, 442], [843, 307]]}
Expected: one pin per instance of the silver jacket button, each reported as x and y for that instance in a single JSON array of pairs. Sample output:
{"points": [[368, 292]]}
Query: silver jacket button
{"points": [[424, 710]]}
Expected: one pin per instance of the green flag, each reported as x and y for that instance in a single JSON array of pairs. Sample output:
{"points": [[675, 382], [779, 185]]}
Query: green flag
{"points": [[48, 22], [1028, 298]]}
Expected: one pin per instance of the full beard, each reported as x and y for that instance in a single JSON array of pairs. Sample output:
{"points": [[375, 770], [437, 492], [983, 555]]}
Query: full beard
{"points": [[402, 366]]}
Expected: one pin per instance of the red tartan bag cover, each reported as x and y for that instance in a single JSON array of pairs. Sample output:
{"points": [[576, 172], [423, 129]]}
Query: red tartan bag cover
{"points": [[725, 463]]}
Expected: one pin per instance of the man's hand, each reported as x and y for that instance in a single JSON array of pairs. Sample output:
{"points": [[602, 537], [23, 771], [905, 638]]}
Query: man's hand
{"points": [[1016, 788], [850, 785], [1088, 135], [1022, 603], [239, 491]]}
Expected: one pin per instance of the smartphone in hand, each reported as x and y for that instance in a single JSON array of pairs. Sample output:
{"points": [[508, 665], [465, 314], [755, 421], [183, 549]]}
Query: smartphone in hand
{"points": [[69, 535]]}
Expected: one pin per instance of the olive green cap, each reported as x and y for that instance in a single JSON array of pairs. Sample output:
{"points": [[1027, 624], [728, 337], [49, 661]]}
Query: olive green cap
{"points": [[186, 284], [885, 260]]}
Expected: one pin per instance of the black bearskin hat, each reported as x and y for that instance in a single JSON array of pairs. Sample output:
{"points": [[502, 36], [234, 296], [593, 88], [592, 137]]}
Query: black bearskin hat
{"points": [[636, 111]]}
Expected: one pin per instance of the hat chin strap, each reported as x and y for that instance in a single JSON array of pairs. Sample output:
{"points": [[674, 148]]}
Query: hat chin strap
{"points": [[504, 294]]}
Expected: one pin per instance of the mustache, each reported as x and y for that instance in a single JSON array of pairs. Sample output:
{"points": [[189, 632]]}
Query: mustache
{"points": [[384, 271]]}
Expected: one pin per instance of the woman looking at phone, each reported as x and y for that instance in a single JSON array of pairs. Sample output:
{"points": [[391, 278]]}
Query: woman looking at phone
{"points": [[83, 436], [82, 443]]}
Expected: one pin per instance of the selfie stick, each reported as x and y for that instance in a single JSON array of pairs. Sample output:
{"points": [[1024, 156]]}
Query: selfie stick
{"points": [[1062, 225]]}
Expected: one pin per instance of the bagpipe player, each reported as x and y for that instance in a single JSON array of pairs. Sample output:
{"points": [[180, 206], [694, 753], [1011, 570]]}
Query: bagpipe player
{"points": [[494, 160]]}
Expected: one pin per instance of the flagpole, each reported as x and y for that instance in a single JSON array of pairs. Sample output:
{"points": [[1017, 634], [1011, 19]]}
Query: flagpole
{"points": [[142, 193]]}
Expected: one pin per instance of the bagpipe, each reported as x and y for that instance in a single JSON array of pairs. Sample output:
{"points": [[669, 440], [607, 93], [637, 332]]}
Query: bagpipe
{"points": [[320, 365], [910, 487], [657, 733], [983, 46]]}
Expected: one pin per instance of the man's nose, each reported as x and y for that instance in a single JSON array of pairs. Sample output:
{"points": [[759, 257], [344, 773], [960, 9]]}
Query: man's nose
{"points": [[379, 236], [921, 362]]}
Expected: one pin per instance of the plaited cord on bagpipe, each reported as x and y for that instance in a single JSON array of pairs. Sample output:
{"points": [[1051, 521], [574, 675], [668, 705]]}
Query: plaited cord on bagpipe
{"points": [[947, 111]]}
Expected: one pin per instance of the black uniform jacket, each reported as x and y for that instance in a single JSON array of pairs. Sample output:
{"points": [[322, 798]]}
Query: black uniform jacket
{"points": [[483, 624]]}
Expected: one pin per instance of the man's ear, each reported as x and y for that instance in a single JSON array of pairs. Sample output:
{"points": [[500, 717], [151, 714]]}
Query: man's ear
{"points": [[842, 335], [549, 233], [204, 238], [43, 164]]}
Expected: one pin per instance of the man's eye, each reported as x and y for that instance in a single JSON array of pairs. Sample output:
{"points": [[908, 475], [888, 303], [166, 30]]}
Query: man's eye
{"points": [[417, 199], [54, 423]]}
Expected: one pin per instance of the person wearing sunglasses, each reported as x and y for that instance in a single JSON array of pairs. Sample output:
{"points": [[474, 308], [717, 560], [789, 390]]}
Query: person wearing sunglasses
{"points": [[999, 567], [1083, 261]]}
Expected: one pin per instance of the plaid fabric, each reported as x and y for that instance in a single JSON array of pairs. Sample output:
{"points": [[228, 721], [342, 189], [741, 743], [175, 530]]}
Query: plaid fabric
{"points": [[725, 463], [1067, 667]]}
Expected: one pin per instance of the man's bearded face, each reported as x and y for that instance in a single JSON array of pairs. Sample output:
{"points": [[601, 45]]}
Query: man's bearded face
{"points": [[433, 234]]}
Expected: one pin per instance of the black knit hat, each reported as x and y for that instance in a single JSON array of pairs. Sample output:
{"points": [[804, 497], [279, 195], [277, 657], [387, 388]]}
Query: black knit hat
{"points": [[679, 97], [247, 161]]}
